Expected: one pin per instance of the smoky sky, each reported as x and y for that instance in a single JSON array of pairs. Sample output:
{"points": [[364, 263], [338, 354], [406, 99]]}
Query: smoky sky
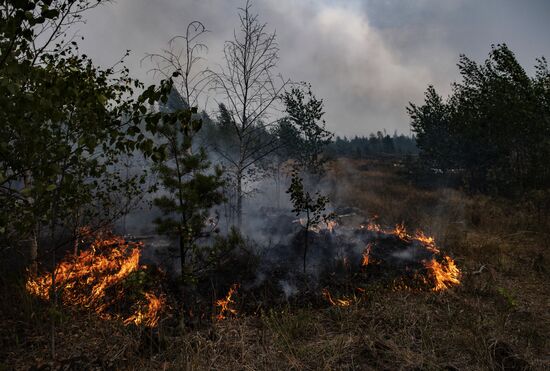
{"points": [[366, 59]]}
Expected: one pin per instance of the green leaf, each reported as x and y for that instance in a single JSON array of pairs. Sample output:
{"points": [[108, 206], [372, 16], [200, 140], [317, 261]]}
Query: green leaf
{"points": [[26, 192], [102, 99]]}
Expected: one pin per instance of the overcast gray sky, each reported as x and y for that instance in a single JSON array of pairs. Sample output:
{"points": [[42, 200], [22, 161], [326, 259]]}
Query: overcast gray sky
{"points": [[366, 58]]}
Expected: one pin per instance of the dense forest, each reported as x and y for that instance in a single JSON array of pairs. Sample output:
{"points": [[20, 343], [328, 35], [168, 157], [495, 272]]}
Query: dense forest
{"points": [[145, 227], [494, 128]]}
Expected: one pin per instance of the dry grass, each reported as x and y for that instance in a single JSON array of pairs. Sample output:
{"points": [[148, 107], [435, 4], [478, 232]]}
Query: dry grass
{"points": [[499, 317]]}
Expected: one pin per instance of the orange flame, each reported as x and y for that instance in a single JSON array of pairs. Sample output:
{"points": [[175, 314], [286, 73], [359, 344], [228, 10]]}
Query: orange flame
{"points": [[401, 231], [371, 226], [93, 280], [225, 303], [428, 242], [441, 274], [149, 317], [366, 255], [343, 302], [444, 275]]}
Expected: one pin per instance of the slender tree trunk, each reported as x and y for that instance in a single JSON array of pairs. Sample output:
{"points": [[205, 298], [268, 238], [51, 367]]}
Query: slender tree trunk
{"points": [[305, 248], [306, 244], [32, 242], [76, 233], [53, 292], [53, 299], [239, 198], [278, 185], [183, 252]]}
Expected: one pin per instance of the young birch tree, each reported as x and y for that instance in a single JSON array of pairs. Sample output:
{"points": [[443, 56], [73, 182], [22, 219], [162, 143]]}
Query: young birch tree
{"points": [[247, 83]]}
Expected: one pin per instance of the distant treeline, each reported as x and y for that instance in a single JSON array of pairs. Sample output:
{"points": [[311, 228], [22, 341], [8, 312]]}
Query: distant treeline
{"points": [[217, 133], [381, 143], [375, 144]]}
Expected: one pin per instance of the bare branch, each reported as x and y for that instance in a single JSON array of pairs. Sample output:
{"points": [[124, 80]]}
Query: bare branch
{"points": [[246, 81], [180, 61]]}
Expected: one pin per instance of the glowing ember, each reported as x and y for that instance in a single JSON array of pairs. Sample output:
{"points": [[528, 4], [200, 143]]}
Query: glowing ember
{"points": [[400, 231], [94, 279], [343, 302], [371, 226], [224, 304]]}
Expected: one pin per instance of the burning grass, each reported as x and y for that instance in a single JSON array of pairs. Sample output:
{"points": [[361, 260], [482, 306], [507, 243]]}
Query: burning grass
{"points": [[399, 260], [225, 305], [418, 317], [337, 302], [107, 278], [415, 255], [98, 279]]}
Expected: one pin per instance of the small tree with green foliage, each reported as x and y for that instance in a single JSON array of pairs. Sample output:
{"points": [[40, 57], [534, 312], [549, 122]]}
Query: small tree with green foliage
{"points": [[312, 208], [66, 125], [192, 187], [303, 130]]}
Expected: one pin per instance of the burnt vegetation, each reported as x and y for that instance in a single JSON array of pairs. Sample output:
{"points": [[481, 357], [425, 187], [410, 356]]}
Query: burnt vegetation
{"points": [[140, 230]]}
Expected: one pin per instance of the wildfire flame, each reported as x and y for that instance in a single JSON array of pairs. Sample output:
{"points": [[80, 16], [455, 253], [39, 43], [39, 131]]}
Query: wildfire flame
{"points": [[366, 255], [154, 305], [401, 231], [445, 274], [428, 242], [94, 280], [342, 302], [224, 304], [441, 273]]}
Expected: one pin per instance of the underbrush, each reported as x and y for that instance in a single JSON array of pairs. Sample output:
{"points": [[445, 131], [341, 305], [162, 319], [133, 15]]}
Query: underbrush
{"points": [[498, 317]]}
